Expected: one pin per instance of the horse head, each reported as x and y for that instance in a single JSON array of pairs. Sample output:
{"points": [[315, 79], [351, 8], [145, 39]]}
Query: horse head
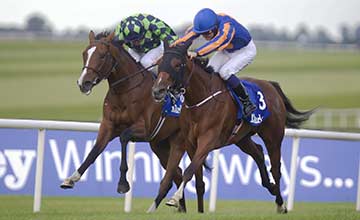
{"points": [[98, 61], [171, 71]]}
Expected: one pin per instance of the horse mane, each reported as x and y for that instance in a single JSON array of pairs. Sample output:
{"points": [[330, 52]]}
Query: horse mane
{"points": [[203, 63], [102, 34]]}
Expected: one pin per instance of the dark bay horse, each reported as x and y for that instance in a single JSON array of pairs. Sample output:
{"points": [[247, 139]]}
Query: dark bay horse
{"points": [[209, 117], [130, 113]]}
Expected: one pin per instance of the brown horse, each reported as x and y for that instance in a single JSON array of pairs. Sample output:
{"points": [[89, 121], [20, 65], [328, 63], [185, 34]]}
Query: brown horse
{"points": [[209, 117], [130, 113]]}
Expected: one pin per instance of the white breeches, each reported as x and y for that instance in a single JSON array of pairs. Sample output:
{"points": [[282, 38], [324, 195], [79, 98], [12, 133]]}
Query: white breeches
{"points": [[149, 58], [226, 63]]}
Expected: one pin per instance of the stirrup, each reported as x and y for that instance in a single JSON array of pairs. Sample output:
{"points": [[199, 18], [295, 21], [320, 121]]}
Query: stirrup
{"points": [[249, 108]]}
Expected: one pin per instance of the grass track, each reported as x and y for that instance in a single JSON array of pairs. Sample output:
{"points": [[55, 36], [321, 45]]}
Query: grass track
{"points": [[38, 79], [75, 208]]}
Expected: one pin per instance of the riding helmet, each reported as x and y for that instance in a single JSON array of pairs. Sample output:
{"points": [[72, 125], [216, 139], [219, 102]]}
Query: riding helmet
{"points": [[205, 20], [133, 29]]}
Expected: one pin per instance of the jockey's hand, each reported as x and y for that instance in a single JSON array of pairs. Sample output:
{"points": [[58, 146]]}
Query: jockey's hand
{"points": [[192, 54]]}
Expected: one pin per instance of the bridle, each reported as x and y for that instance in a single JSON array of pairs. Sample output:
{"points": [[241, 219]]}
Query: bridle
{"points": [[179, 75], [113, 61], [114, 64], [183, 85]]}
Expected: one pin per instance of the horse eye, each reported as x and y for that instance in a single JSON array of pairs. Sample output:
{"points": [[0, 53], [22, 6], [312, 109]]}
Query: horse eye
{"points": [[177, 67]]}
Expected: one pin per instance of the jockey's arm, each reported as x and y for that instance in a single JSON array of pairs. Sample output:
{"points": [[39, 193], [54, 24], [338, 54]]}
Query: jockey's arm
{"points": [[163, 31], [225, 34], [189, 36]]}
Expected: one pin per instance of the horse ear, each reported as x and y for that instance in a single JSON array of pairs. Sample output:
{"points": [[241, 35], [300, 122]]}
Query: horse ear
{"points": [[166, 45], [185, 46], [110, 37], [188, 44], [91, 36]]}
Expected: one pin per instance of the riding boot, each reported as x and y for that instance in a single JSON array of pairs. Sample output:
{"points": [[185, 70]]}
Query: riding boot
{"points": [[249, 107]]}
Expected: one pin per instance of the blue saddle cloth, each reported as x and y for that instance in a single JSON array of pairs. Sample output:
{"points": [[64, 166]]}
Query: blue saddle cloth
{"points": [[258, 98], [172, 105]]}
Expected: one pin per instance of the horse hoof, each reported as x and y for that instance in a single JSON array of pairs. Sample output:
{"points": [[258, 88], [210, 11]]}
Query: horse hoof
{"points": [[123, 188], [172, 202], [181, 209], [152, 208], [282, 209], [67, 184]]}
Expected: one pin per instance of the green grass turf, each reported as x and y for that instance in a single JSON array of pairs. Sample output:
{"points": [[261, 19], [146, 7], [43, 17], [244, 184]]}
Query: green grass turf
{"points": [[75, 208], [38, 79]]}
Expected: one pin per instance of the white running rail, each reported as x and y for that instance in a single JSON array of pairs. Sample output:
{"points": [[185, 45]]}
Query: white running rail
{"points": [[43, 125]]}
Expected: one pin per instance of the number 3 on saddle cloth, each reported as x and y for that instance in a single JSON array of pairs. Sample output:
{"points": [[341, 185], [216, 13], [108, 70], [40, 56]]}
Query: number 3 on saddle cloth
{"points": [[257, 97], [172, 105]]}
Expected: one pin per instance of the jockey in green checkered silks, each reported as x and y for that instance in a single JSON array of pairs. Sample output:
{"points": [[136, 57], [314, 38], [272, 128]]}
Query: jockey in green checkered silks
{"points": [[143, 33]]}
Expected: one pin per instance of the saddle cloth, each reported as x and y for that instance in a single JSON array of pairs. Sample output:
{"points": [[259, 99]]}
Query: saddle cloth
{"points": [[258, 98], [173, 104]]}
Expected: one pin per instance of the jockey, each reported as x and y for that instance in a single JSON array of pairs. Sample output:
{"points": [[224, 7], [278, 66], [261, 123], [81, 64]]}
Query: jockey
{"points": [[234, 48], [143, 34]]}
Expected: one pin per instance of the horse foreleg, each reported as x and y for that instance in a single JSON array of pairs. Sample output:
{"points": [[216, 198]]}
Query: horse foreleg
{"points": [[104, 136], [172, 173], [200, 189], [199, 183], [134, 133], [123, 184], [205, 145]]}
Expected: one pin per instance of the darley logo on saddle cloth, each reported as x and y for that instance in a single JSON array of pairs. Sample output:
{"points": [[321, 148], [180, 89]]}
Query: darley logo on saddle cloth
{"points": [[172, 105], [257, 97]]}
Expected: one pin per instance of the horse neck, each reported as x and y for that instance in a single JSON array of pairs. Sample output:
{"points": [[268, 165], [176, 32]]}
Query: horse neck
{"points": [[125, 68], [201, 85]]}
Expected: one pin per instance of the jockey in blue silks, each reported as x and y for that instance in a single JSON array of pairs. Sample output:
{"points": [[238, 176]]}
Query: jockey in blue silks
{"points": [[234, 48]]}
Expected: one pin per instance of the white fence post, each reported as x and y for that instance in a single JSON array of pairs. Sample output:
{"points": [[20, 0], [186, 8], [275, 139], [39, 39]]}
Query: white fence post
{"points": [[130, 175], [39, 170], [293, 169], [214, 181]]}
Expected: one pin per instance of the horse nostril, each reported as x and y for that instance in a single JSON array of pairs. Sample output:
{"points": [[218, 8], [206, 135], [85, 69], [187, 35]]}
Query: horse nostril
{"points": [[162, 90], [87, 84], [85, 87], [155, 92], [158, 94]]}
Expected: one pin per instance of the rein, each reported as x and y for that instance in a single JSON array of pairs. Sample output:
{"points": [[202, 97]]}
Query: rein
{"points": [[127, 77], [113, 67], [187, 81], [205, 100]]}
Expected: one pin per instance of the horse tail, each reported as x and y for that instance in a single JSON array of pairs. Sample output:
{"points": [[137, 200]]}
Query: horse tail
{"points": [[294, 117]]}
